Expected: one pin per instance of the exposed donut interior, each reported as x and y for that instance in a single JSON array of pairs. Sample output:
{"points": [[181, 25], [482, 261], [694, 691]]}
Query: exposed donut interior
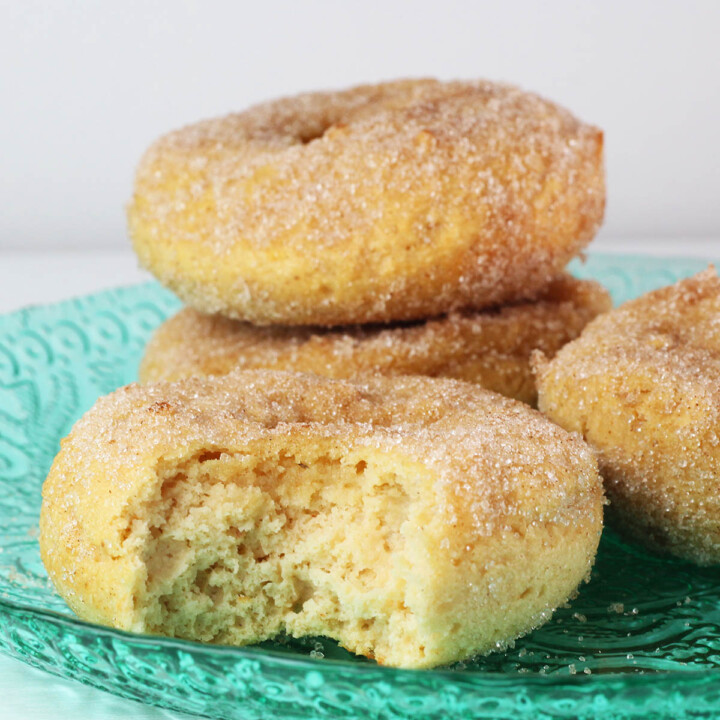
{"points": [[240, 547]]}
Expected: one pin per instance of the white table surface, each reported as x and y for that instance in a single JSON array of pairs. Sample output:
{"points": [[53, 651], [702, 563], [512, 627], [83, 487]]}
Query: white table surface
{"points": [[32, 278]]}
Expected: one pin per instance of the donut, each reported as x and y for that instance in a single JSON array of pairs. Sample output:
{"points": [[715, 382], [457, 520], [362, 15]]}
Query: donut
{"points": [[491, 348], [417, 521], [381, 203], [642, 384]]}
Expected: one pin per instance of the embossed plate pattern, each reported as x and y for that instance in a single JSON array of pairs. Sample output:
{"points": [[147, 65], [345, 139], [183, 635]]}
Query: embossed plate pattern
{"points": [[641, 640]]}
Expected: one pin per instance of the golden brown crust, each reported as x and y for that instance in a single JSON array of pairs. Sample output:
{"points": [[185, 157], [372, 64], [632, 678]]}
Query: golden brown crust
{"points": [[491, 348], [396, 201], [642, 383], [505, 486]]}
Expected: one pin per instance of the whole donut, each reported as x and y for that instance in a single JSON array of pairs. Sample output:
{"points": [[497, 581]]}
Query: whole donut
{"points": [[386, 202], [416, 520], [642, 384], [491, 348]]}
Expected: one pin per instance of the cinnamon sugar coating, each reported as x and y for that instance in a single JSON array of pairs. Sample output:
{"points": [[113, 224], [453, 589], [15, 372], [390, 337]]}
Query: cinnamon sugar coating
{"points": [[491, 348], [381, 203], [416, 520], [642, 384]]}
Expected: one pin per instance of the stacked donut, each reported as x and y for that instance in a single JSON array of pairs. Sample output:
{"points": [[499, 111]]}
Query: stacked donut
{"points": [[383, 234], [412, 227]]}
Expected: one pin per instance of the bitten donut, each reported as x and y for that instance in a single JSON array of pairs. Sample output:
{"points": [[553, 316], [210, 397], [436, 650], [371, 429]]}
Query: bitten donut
{"points": [[387, 202], [418, 521], [642, 384], [491, 348]]}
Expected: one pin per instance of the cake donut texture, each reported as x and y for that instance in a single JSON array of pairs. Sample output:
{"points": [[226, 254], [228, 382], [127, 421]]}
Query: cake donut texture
{"points": [[381, 203], [418, 521], [642, 384], [491, 348]]}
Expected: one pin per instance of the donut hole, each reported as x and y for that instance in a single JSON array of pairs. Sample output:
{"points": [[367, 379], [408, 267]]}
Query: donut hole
{"points": [[240, 547], [318, 129], [307, 138], [313, 132]]}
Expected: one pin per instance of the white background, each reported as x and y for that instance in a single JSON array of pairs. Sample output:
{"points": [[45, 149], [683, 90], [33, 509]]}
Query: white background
{"points": [[86, 86]]}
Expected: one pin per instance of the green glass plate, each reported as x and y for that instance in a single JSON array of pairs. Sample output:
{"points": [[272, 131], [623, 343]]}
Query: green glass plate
{"points": [[641, 640]]}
